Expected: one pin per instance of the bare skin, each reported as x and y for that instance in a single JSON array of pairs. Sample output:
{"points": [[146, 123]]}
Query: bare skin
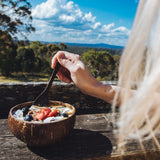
{"points": [[74, 70]]}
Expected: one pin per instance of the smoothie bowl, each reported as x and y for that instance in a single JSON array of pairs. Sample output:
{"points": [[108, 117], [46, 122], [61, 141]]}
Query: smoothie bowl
{"points": [[41, 126]]}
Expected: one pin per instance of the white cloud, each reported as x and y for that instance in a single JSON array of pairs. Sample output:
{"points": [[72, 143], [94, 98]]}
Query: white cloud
{"points": [[68, 6], [96, 25], [121, 30], [56, 9], [63, 20], [106, 28], [88, 17], [46, 9], [67, 18]]}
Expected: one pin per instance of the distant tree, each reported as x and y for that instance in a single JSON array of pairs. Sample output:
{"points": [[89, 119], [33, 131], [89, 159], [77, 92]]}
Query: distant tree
{"points": [[42, 50], [62, 46], [53, 47], [25, 59], [7, 53], [100, 63], [38, 64], [35, 46], [117, 60], [15, 17], [22, 43], [45, 65]]}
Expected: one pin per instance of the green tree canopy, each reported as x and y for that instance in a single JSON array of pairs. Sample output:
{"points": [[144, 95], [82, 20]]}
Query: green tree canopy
{"points": [[25, 59], [62, 46], [100, 63], [35, 46], [15, 17], [117, 61], [52, 48], [7, 53], [43, 50]]}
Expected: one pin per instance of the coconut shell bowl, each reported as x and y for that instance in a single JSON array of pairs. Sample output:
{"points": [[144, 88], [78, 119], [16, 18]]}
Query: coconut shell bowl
{"points": [[41, 134]]}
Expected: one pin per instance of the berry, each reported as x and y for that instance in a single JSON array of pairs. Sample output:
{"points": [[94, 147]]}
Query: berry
{"points": [[64, 114], [43, 113], [28, 117], [53, 113], [25, 110]]}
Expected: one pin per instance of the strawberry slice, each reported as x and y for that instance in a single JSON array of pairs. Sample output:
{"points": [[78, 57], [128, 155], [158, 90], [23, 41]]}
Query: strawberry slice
{"points": [[46, 111], [42, 114], [53, 113]]}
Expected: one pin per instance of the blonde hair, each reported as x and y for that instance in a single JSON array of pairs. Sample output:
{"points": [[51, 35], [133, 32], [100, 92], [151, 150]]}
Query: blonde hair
{"points": [[140, 69]]}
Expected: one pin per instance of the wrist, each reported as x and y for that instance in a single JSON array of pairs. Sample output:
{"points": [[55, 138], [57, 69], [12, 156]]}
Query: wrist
{"points": [[105, 92]]}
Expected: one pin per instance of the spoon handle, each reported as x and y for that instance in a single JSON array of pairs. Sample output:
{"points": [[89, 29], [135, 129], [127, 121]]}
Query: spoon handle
{"points": [[54, 72], [42, 98]]}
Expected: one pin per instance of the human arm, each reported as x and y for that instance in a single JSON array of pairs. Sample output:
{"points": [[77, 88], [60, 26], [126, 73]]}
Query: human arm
{"points": [[74, 70]]}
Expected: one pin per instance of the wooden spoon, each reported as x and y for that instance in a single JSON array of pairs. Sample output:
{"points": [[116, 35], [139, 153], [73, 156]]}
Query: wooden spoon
{"points": [[42, 98]]}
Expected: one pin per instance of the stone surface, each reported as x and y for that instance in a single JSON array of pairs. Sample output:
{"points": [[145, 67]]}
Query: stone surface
{"points": [[14, 93]]}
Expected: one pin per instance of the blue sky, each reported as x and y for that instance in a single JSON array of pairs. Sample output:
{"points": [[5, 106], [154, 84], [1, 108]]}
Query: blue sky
{"points": [[83, 21]]}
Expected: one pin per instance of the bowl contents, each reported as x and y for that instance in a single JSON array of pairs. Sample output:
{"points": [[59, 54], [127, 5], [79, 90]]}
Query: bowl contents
{"points": [[42, 126], [43, 114]]}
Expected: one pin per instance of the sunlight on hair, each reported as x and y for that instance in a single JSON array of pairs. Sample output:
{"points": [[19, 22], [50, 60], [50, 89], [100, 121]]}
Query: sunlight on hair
{"points": [[140, 70]]}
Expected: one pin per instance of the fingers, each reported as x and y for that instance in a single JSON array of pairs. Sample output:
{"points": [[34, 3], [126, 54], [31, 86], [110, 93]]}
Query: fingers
{"points": [[63, 57], [63, 78], [64, 75], [70, 56], [57, 57], [66, 59]]}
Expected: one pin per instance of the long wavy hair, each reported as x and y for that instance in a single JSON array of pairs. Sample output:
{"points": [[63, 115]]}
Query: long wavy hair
{"points": [[140, 70]]}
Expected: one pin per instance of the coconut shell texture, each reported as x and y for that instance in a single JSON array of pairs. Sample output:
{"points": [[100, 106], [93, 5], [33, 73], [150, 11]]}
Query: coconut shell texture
{"points": [[41, 134]]}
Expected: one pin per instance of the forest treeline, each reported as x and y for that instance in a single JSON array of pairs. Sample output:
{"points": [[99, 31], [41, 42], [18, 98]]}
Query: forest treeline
{"points": [[35, 57], [18, 56]]}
